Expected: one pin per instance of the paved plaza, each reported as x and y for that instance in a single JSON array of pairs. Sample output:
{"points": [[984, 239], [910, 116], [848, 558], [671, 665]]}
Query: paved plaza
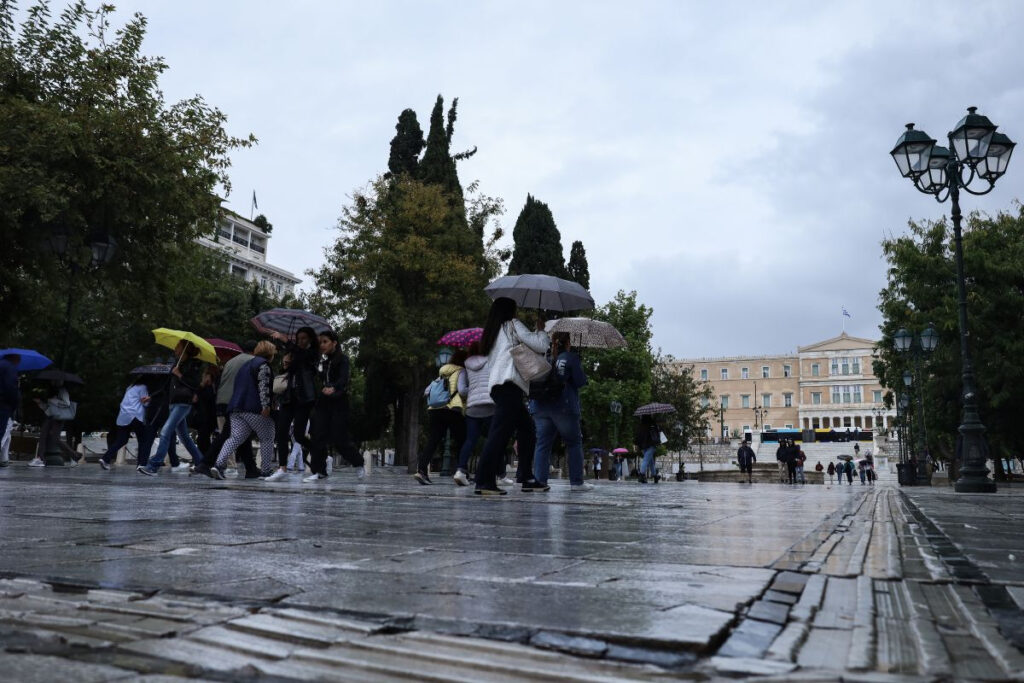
{"points": [[113, 576]]}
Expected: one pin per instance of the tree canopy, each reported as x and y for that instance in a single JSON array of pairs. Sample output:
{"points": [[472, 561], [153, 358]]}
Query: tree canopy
{"points": [[578, 269], [537, 242]]}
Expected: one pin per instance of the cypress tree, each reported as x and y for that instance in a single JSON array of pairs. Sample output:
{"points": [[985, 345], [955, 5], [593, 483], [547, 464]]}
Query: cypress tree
{"points": [[579, 271], [406, 145], [537, 242]]}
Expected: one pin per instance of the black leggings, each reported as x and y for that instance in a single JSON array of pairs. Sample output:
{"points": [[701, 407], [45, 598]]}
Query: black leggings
{"points": [[330, 429], [124, 433], [442, 420], [510, 416]]}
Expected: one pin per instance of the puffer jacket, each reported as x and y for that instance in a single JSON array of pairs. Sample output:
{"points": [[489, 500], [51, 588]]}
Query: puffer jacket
{"points": [[503, 369], [478, 397], [451, 373]]}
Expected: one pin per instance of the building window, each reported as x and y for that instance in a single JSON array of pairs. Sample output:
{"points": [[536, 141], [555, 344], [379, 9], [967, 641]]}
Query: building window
{"points": [[787, 400], [725, 431], [816, 398], [239, 271], [746, 428], [815, 370], [745, 373], [724, 401], [241, 237], [856, 366], [835, 394], [704, 374], [835, 366], [768, 428], [876, 396], [789, 426], [857, 394], [787, 370], [745, 400], [258, 245], [704, 402], [224, 231], [847, 395], [766, 400], [846, 366], [725, 373], [765, 372]]}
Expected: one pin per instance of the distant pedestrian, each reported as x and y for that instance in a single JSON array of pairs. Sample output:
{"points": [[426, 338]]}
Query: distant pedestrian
{"points": [[647, 439], [508, 389], [249, 411], [295, 403], [479, 408], [446, 416], [831, 473], [745, 458], [849, 472], [800, 459], [131, 419], [58, 408], [204, 411], [10, 395], [225, 389], [185, 379], [330, 419], [862, 472]]}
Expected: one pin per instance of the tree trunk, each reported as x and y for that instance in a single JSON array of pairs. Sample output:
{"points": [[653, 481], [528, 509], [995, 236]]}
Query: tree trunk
{"points": [[407, 427]]}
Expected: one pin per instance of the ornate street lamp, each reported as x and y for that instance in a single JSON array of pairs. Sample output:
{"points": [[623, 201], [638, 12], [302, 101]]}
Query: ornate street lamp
{"points": [[918, 348], [976, 151]]}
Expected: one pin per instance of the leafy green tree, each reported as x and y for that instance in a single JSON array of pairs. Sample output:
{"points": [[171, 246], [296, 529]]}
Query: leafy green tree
{"points": [[538, 244], [406, 145], [676, 385], [263, 224], [89, 147], [921, 288], [622, 375], [578, 269]]}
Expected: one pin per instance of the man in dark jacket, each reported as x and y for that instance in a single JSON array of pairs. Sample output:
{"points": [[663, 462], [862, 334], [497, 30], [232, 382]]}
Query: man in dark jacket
{"points": [[745, 458], [10, 395]]}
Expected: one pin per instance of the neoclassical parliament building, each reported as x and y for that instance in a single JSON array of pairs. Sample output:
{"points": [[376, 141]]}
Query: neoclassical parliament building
{"points": [[827, 385]]}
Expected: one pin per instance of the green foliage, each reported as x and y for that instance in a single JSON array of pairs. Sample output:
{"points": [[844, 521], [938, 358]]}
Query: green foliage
{"points": [[578, 270], [676, 385], [622, 375], [921, 288], [88, 146], [538, 244], [263, 224], [406, 145]]}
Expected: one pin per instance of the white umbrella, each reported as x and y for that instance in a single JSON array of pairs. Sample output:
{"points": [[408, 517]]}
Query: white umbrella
{"points": [[588, 333]]}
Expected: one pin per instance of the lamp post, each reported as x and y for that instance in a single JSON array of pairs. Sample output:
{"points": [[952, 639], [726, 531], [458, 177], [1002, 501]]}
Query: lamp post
{"points": [[976, 151], [444, 354], [918, 347], [902, 423], [102, 248], [878, 415], [616, 409]]}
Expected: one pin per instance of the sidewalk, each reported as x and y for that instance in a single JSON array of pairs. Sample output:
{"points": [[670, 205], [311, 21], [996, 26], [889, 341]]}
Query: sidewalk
{"points": [[626, 582]]}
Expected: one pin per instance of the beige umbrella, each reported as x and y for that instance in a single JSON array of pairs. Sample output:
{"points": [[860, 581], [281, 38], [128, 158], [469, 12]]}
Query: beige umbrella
{"points": [[588, 333]]}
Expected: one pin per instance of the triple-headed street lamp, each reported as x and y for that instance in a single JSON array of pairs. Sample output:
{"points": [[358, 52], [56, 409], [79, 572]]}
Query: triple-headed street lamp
{"points": [[918, 348], [976, 152]]}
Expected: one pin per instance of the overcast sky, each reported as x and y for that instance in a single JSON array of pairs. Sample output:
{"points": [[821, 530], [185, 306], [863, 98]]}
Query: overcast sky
{"points": [[728, 161]]}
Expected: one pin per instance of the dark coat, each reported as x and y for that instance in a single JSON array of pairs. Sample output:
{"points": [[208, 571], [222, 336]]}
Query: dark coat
{"points": [[10, 395], [184, 388], [334, 373], [301, 374], [745, 456]]}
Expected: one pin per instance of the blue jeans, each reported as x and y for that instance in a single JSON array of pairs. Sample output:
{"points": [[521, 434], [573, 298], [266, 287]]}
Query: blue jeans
{"points": [[647, 467], [552, 422], [176, 424], [475, 426]]}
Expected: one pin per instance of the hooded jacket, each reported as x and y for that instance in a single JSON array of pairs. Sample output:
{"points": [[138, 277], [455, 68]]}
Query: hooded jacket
{"points": [[503, 369], [451, 373], [478, 393]]}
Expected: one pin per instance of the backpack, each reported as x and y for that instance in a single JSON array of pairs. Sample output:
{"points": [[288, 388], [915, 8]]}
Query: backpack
{"points": [[438, 394], [548, 389]]}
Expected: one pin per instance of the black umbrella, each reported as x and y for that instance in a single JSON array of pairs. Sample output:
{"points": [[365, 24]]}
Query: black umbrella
{"points": [[153, 369], [545, 292], [654, 409], [288, 320], [58, 375]]}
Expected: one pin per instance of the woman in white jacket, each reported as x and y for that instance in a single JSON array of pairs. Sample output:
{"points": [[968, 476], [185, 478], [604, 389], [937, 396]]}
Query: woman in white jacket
{"points": [[474, 383], [508, 390]]}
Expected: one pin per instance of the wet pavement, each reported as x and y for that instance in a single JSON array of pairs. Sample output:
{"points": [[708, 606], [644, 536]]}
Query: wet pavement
{"points": [[626, 581]]}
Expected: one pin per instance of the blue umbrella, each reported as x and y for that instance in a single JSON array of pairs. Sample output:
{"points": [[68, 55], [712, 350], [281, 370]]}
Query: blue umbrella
{"points": [[30, 360]]}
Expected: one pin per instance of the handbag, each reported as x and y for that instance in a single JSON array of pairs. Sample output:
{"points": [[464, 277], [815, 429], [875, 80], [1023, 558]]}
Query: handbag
{"points": [[280, 384], [662, 437], [530, 365], [61, 411]]}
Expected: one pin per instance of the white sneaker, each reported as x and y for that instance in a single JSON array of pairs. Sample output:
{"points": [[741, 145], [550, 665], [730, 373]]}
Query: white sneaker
{"points": [[36, 462], [72, 463], [507, 481], [460, 478], [181, 467], [314, 477], [582, 488], [361, 474], [277, 475]]}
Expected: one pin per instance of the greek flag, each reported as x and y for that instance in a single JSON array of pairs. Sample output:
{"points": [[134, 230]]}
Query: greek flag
{"points": [[846, 312]]}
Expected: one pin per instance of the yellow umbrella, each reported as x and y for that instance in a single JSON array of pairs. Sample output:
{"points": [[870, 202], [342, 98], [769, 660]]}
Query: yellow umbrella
{"points": [[170, 339]]}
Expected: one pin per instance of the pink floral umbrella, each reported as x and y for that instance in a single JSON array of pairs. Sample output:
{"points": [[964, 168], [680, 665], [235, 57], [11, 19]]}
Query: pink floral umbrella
{"points": [[461, 339]]}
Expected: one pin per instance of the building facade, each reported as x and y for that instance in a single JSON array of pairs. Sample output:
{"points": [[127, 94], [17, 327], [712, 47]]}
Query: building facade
{"points": [[245, 245], [827, 385]]}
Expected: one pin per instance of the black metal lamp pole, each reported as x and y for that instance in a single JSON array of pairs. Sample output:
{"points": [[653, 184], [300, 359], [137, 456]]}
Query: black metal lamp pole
{"points": [[975, 148]]}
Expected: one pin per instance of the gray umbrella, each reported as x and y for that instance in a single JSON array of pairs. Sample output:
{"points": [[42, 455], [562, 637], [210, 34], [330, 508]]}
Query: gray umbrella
{"points": [[588, 333], [545, 292], [654, 409]]}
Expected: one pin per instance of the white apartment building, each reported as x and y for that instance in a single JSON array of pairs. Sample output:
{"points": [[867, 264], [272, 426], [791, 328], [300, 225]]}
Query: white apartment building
{"points": [[245, 244]]}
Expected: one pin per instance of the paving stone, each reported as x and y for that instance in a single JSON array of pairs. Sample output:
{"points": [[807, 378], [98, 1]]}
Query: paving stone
{"points": [[589, 647], [774, 612], [29, 668], [778, 596], [790, 582], [751, 639]]}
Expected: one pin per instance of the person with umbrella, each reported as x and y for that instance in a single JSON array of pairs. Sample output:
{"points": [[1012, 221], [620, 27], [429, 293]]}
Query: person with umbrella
{"points": [[647, 438], [57, 409], [249, 411], [508, 390], [131, 418], [479, 408], [10, 394], [330, 413], [295, 403], [185, 379], [745, 458], [556, 411]]}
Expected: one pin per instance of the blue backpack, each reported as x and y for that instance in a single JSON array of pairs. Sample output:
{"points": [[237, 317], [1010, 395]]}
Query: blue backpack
{"points": [[438, 395]]}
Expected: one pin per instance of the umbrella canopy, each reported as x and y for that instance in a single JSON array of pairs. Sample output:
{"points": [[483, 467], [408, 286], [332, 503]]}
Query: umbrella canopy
{"points": [[598, 450], [30, 360], [845, 457], [170, 338], [58, 375], [461, 339], [287, 321], [654, 409], [620, 451], [588, 333], [225, 350], [546, 292], [153, 369]]}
